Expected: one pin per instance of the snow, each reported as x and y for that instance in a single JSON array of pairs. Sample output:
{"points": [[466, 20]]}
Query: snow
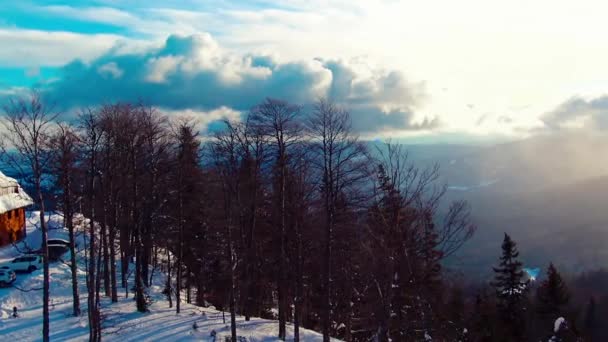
{"points": [[6, 181], [9, 199], [558, 324], [121, 321]]}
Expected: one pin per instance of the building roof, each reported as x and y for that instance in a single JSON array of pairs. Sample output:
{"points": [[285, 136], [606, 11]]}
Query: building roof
{"points": [[9, 199]]}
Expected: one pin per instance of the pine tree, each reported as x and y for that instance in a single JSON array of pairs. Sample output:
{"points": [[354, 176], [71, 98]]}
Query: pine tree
{"points": [[482, 321], [510, 290], [552, 295], [590, 322]]}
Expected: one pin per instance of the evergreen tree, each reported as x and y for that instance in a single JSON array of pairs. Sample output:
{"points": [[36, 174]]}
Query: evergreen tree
{"points": [[510, 291], [552, 295], [482, 320], [590, 323]]}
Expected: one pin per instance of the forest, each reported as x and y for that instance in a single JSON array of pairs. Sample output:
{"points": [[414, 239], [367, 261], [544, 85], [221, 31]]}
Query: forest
{"points": [[285, 214]]}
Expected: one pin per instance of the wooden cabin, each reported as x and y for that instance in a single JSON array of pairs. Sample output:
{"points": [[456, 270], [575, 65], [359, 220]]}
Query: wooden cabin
{"points": [[13, 201]]}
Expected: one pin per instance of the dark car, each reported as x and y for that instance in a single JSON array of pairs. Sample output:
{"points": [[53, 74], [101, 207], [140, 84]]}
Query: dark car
{"points": [[58, 242], [56, 251]]}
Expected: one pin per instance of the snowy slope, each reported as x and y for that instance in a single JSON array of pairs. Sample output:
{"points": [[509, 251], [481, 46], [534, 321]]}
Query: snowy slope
{"points": [[121, 320]]}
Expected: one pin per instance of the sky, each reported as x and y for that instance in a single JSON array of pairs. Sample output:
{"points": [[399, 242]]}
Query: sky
{"points": [[452, 71]]}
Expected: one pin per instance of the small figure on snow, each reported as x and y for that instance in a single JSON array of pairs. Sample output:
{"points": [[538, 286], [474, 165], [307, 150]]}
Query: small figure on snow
{"points": [[15, 313], [195, 326]]}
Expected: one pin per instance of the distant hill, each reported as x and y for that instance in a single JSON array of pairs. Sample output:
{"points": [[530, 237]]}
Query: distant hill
{"points": [[550, 193]]}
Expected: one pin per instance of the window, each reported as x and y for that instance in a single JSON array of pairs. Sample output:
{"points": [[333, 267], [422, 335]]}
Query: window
{"points": [[10, 214]]}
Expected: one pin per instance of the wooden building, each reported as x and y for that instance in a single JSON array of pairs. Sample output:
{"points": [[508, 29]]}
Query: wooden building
{"points": [[13, 201]]}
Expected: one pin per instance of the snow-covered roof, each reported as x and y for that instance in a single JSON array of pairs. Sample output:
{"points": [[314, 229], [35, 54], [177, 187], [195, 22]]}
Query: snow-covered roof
{"points": [[6, 181], [12, 195]]}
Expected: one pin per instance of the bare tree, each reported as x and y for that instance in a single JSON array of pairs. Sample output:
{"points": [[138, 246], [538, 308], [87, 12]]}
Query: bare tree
{"points": [[341, 165], [301, 191], [280, 121], [225, 151], [65, 144], [407, 244], [92, 138], [27, 122], [252, 150]]}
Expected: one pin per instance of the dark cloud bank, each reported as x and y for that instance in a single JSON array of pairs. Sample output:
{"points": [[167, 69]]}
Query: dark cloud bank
{"points": [[193, 72]]}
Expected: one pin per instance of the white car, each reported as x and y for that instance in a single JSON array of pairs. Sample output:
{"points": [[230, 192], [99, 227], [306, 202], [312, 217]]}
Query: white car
{"points": [[27, 263], [7, 276]]}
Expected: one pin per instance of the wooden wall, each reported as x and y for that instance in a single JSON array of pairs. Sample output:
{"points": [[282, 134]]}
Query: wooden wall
{"points": [[12, 226]]}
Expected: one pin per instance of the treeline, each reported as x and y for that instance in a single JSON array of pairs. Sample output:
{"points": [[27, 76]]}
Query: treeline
{"points": [[517, 307], [285, 214]]}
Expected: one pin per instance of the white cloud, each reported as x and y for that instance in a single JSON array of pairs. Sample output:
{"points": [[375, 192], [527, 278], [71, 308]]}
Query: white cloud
{"points": [[196, 73], [110, 70], [33, 48], [204, 118], [160, 67], [496, 56]]}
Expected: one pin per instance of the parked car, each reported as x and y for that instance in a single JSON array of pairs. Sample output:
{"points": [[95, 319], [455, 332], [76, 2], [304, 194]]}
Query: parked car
{"points": [[58, 242], [27, 263], [7, 277], [56, 251]]}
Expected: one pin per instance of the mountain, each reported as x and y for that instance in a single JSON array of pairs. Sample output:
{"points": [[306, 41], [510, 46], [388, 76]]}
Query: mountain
{"points": [[548, 192]]}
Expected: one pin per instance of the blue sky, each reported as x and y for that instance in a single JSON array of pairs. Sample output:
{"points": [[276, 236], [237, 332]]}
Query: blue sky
{"points": [[431, 70]]}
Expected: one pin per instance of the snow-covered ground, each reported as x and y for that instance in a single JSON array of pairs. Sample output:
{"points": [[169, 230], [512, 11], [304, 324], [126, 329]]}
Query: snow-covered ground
{"points": [[121, 321]]}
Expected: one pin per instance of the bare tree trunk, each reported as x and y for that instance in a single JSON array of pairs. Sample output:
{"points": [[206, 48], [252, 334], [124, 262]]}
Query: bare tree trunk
{"points": [[154, 264], [298, 287], [45, 255], [97, 292], [325, 315], [69, 221], [232, 300], [112, 241], [92, 308], [283, 256], [106, 255], [251, 261], [168, 286], [189, 288], [114, 289], [124, 259], [73, 266], [180, 253]]}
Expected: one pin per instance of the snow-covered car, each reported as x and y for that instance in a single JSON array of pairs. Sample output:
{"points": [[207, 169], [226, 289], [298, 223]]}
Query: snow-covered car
{"points": [[7, 277], [27, 263]]}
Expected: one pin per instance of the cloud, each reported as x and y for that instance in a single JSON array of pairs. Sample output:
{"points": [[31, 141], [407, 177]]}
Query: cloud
{"points": [[579, 112], [195, 73], [107, 15], [110, 70], [205, 118], [34, 48], [32, 72]]}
